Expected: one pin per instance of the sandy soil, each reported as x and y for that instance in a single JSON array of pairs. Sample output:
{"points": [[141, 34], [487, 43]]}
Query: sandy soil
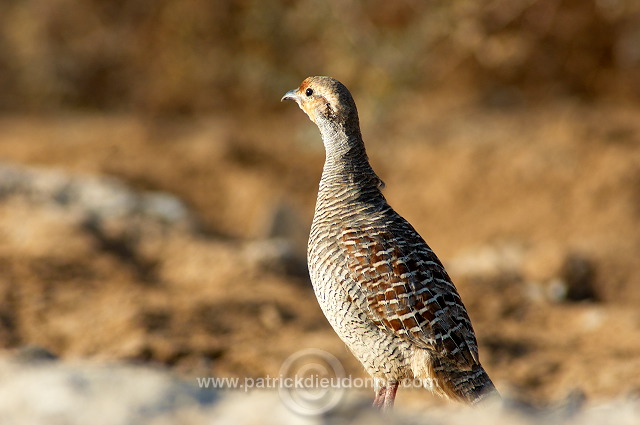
{"points": [[534, 211]]}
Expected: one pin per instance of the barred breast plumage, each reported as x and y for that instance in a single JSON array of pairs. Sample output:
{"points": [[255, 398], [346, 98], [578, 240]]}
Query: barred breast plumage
{"points": [[384, 291]]}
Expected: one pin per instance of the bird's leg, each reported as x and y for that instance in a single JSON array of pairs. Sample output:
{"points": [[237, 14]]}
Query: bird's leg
{"points": [[390, 396], [378, 400]]}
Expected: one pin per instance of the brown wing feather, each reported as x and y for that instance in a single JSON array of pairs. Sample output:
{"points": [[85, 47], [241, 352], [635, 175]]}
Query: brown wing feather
{"points": [[406, 290]]}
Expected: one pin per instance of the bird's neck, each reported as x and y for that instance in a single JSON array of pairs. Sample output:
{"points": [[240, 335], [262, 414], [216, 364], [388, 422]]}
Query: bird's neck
{"points": [[346, 162]]}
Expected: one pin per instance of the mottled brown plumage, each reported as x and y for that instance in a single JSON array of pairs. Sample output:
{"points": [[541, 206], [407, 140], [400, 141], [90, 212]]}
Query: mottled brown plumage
{"points": [[381, 287]]}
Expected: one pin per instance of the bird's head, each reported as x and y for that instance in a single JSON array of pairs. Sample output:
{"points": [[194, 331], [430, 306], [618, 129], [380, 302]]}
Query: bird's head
{"points": [[326, 101], [330, 106]]}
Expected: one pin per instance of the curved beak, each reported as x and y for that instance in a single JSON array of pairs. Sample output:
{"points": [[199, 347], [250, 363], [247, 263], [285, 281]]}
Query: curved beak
{"points": [[290, 95]]}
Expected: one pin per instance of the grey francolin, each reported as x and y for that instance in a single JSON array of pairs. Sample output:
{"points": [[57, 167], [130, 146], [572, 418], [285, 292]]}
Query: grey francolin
{"points": [[381, 287]]}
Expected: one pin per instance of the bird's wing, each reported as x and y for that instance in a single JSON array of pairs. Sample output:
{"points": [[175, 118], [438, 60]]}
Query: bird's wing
{"points": [[403, 287]]}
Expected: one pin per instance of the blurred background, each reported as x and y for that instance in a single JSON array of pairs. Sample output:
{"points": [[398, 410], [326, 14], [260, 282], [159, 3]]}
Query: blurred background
{"points": [[155, 195], [201, 57]]}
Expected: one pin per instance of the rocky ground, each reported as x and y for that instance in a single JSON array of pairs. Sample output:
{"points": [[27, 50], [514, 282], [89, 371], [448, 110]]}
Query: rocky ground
{"points": [[181, 245], [37, 389]]}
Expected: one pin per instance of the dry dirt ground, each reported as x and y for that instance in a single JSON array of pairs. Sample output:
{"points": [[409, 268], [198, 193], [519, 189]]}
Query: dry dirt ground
{"points": [[534, 211]]}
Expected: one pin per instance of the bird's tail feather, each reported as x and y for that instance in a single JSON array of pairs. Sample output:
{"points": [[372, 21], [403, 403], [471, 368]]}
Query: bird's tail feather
{"points": [[471, 386], [447, 378]]}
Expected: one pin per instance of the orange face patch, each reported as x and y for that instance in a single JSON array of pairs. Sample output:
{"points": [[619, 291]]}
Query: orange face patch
{"points": [[310, 104]]}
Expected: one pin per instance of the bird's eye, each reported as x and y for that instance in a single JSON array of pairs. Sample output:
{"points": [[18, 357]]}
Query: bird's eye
{"points": [[308, 92]]}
